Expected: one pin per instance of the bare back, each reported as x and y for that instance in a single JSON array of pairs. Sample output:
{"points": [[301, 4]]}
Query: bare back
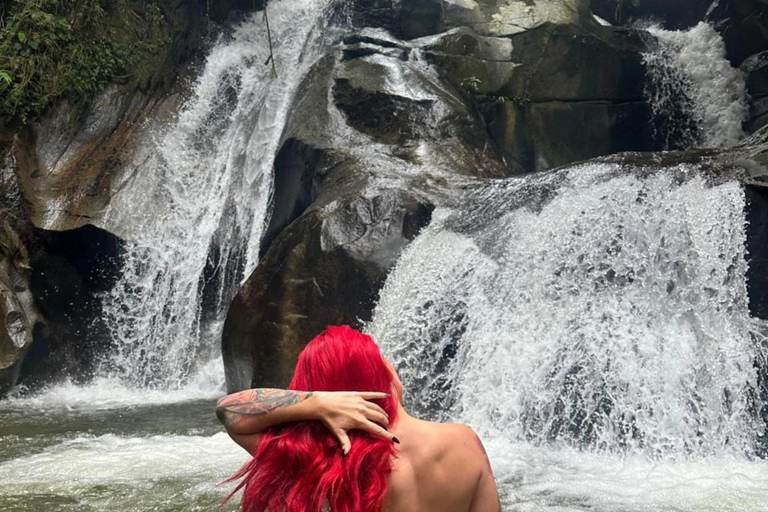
{"points": [[440, 468]]}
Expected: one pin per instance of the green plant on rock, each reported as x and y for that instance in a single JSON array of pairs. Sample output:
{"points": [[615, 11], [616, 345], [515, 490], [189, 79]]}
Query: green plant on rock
{"points": [[471, 84], [51, 49]]}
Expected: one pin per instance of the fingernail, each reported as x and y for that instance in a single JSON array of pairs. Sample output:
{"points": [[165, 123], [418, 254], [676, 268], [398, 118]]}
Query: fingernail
{"points": [[395, 440]]}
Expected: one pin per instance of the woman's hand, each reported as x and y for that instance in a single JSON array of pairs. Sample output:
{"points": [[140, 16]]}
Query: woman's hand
{"points": [[343, 411]]}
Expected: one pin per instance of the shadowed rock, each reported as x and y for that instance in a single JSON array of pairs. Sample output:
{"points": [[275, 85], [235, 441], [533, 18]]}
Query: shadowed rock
{"points": [[18, 314], [743, 25], [555, 94], [370, 135], [756, 71]]}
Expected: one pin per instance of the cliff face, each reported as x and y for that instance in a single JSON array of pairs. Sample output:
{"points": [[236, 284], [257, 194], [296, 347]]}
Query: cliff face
{"points": [[419, 97]]}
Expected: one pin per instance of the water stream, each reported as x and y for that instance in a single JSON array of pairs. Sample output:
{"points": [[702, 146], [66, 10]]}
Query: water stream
{"points": [[697, 98], [196, 209], [142, 434], [599, 340]]}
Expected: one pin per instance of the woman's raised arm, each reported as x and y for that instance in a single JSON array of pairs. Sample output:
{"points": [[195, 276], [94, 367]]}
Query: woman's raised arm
{"points": [[248, 413]]}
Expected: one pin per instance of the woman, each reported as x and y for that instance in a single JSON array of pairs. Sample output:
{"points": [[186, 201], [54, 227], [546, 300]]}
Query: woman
{"points": [[323, 444]]}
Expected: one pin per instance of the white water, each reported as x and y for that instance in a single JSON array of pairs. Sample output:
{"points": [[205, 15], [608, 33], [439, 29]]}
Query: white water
{"points": [[533, 479], [91, 460], [111, 393], [600, 343], [693, 86], [202, 198], [110, 472]]}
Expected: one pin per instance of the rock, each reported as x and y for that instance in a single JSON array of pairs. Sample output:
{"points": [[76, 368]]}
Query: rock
{"points": [[757, 235], [554, 94], [68, 162], [18, 314], [368, 136], [419, 18], [509, 17], [373, 14], [325, 268], [743, 25], [549, 63], [756, 70], [50, 287], [671, 14], [540, 136]]}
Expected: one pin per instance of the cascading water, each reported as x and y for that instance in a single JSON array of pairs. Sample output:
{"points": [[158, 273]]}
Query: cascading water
{"points": [[608, 315], [195, 211], [697, 98], [142, 435]]}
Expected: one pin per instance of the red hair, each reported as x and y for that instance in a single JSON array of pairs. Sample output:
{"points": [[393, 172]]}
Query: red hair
{"points": [[299, 467]]}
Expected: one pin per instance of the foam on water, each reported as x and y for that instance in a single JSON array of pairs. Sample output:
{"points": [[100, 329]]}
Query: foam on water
{"points": [[112, 393], [533, 479], [699, 99], [91, 460], [111, 472]]}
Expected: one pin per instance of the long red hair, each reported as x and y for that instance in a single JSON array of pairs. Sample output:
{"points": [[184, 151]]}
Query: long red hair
{"points": [[299, 467]]}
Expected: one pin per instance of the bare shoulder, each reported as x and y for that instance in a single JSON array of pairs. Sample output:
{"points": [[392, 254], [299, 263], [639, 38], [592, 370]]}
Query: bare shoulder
{"points": [[457, 442]]}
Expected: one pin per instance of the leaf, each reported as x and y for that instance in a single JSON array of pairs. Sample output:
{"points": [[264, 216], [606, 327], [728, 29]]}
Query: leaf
{"points": [[5, 76], [22, 36], [635, 3]]}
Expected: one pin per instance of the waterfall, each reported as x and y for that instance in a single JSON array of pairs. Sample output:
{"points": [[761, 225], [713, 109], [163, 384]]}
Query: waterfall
{"points": [[195, 209], [698, 98], [610, 315]]}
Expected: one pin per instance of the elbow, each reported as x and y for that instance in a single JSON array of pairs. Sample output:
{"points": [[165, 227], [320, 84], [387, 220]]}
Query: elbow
{"points": [[221, 411], [221, 414]]}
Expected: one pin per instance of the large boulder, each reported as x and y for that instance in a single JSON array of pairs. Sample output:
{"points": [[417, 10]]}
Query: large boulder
{"points": [[554, 94], [371, 133], [18, 314], [755, 69], [325, 268], [488, 18], [743, 25]]}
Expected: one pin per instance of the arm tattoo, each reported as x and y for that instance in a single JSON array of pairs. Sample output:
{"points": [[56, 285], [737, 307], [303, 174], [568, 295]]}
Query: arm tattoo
{"points": [[254, 402]]}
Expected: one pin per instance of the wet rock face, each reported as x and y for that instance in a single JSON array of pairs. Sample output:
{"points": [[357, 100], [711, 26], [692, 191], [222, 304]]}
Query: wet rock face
{"points": [[18, 314], [757, 236], [68, 163], [756, 71], [555, 94], [324, 269], [421, 18], [671, 14], [50, 318], [509, 17], [353, 179], [743, 25]]}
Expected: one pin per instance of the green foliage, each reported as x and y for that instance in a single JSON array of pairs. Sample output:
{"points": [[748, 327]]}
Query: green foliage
{"points": [[51, 49], [472, 84]]}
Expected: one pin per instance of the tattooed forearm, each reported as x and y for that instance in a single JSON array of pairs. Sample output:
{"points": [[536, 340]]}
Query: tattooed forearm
{"points": [[239, 407]]}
